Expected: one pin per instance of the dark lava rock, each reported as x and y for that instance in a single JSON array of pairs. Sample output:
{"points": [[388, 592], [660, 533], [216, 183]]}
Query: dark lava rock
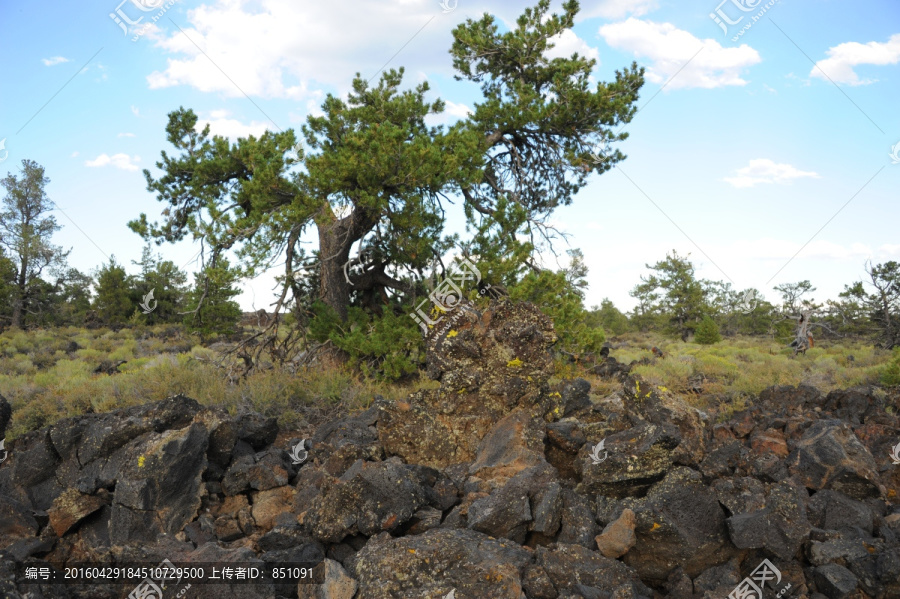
{"points": [[829, 456]]}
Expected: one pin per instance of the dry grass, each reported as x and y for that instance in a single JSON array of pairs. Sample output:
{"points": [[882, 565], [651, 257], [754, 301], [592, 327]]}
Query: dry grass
{"points": [[737, 370], [160, 363], [45, 383]]}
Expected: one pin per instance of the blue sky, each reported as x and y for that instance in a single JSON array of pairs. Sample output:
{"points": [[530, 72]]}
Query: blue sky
{"points": [[741, 153]]}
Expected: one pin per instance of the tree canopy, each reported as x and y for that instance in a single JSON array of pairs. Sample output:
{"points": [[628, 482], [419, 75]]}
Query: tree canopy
{"points": [[25, 231], [373, 175]]}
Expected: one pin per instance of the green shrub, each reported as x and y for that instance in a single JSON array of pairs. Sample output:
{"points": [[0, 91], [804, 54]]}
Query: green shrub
{"points": [[388, 347], [707, 332], [890, 374]]}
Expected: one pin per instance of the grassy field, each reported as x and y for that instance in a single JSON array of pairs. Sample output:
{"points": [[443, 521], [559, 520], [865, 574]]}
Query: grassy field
{"points": [[734, 371], [45, 376]]}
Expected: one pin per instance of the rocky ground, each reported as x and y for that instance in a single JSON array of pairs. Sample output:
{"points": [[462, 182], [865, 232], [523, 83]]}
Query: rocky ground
{"points": [[493, 486]]}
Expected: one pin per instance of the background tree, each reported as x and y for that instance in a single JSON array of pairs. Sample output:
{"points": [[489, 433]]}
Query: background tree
{"points": [[25, 232], [113, 301], [72, 297], [166, 281], [560, 296], [647, 314], [881, 306], [609, 318], [217, 313], [792, 297], [7, 288], [680, 295], [63, 301], [376, 178]]}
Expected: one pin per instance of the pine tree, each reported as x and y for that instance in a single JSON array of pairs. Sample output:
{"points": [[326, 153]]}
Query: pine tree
{"points": [[707, 332], [210, 309], [114, 302], [377, 176], [167, 283]]}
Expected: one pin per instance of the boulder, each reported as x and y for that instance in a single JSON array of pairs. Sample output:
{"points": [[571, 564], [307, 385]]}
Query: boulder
{"points": [[780, 527], [564, 439], [832, 510], [159, 487], [369, 498], [269, 504], [261, 471], [507, 511], [92, 436], [678, 524], [257, 430], [489, 363], [569, 565], [610, 368], [577, 523], [16, 521], [784, 396], [358, 431], [438, 562], [618, 536], [512, 445], [829, 456], [740, 495], [834, 581], [336, 583], [647, 403], [630, 461], [71, 507], [851, 405], [575, 395]]}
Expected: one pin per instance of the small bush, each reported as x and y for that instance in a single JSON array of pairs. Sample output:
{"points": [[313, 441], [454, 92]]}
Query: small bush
{"points": [[707, 332], [890, 374]]}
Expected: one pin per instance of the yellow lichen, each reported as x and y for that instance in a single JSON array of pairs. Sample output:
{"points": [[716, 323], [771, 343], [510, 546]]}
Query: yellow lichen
{"points": [[514, 363], [452, 334], [655, 526], [141, 462]]}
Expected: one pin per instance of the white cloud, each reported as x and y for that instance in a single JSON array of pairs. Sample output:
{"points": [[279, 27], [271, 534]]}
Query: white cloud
{"points": [[135, 110], [669, 49], [617, 9], [49, 62], [126, 135], [567, 43], [457, 110], [842, 58], [763, 170], [452, 112], [220, 124], [121, 161], [287, 49], [75, 154]]}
